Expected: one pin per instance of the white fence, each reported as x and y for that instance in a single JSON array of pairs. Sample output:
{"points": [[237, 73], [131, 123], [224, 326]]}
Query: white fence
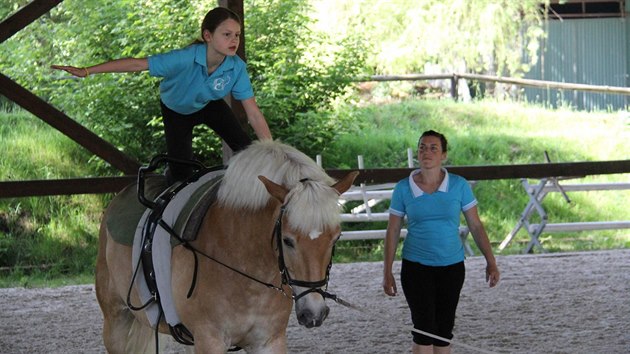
{"points": [[374, 194], [536, 195]]}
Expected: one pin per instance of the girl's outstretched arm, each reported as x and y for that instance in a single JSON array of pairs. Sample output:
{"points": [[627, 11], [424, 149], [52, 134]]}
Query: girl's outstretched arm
{"points": [[114, 66]]}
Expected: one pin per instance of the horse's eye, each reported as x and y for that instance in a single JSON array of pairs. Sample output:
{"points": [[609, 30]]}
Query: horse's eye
{"points": [[288, 242]]}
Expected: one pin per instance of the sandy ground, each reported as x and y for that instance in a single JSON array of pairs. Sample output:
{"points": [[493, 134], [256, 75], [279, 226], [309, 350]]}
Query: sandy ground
{"points": [[558, 303]]}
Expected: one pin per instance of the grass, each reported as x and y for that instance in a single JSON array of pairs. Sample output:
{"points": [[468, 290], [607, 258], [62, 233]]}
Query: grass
{"points": [[51, 241], [489, 133], [44, 240]]}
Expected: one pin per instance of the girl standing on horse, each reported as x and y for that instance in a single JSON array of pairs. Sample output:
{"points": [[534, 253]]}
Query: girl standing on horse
{"points": [[195, 79]]}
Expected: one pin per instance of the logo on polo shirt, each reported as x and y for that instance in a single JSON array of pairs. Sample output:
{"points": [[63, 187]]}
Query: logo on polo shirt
{"points": [[220, 83]]}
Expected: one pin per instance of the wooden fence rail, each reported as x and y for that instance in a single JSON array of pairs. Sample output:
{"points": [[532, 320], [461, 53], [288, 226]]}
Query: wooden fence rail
{"points": [[454, 79], [97, 185]]}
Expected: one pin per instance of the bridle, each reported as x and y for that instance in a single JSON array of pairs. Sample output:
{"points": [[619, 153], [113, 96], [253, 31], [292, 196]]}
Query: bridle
{"points": [[312, 286]]}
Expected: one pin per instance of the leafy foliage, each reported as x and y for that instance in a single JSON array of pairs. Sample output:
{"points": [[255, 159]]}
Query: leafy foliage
{"points": [[294, 70], [302, 56], [118, 107], [297, 71], [485, 36]]}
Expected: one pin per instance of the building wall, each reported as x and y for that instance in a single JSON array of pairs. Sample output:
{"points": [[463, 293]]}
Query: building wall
{"points": [[585, 51]]}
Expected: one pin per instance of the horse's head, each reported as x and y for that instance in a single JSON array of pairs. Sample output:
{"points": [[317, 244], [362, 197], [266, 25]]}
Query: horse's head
{"points": [[307, 228]]}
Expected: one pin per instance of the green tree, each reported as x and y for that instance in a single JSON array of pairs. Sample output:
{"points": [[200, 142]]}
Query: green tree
{"points": [[485, 36], [118, 107], [298, 70], [294, 71]]}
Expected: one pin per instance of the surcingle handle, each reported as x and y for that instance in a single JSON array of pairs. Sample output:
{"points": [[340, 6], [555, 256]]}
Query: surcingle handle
{"points": [[156, 162]]}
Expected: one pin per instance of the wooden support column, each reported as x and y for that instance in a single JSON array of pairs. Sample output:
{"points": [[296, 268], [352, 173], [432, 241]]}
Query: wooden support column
{"points": [[237, 107]]}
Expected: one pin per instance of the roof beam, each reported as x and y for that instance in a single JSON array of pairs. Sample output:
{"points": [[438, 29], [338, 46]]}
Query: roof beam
{"points": [[67, 126], [25, 16]]}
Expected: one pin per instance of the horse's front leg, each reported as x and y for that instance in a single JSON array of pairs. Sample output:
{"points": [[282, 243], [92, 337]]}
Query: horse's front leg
{"points": [[209, 345], [276, 345]]}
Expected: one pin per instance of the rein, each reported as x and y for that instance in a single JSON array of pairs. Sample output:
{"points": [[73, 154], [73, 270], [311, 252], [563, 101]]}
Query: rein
{"points": [[195, 250], [161, 204], [313, 286]]}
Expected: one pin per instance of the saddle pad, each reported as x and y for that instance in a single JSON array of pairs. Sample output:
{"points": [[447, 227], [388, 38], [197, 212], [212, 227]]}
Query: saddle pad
{"points": [[192, 213], [189, 203], [125, 210]]}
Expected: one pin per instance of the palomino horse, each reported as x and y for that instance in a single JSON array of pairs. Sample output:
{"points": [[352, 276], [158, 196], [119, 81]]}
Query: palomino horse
{"points": [[275, 209]]}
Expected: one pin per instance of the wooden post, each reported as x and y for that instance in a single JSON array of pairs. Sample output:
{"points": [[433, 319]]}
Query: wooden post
{"points": [[454, 82], [237, 107]]}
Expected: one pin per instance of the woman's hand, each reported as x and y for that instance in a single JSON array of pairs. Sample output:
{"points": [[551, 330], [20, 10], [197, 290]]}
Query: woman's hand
{"points": [[492, 275], [389, 284], [78, 72]]}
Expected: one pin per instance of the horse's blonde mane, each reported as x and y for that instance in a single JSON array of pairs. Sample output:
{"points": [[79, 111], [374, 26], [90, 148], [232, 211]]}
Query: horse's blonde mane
{"points": [[313, 203]]}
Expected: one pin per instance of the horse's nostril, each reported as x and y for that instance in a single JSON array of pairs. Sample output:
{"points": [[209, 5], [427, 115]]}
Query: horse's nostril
{"points": [[305, 318]]}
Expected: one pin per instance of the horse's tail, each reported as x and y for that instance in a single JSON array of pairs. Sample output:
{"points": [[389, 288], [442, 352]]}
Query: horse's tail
{"points": [[141, 339]]}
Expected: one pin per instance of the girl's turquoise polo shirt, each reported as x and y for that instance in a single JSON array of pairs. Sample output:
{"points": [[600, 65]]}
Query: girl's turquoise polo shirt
{"points": [[186, 86], [433, 219]]}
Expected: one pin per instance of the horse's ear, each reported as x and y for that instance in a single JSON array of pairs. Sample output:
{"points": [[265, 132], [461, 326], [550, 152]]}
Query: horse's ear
{"points": [[276, 190], [346, 182]]}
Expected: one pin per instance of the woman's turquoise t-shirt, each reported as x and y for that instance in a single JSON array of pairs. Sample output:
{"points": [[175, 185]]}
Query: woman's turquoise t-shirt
{"points": [[433, 219]]}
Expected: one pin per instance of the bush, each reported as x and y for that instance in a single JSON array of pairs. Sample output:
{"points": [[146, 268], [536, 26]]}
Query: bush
{"points": [[297, 71], [294, 70]]}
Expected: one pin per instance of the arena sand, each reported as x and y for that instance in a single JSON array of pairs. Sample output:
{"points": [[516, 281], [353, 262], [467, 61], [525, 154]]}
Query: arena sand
{"points": [[550, 303]]}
